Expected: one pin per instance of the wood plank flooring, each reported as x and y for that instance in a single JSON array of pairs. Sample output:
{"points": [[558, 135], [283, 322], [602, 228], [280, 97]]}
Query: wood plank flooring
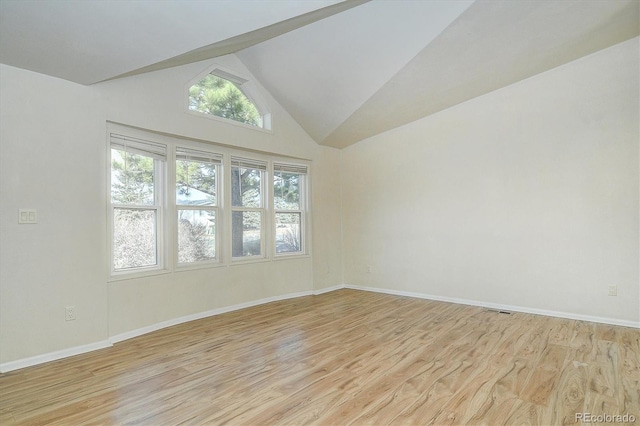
{"points": [[345, 357]]}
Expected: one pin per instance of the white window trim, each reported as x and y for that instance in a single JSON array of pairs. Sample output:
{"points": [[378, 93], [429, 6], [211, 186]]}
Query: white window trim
{"points": [[202, 155], [303, 210], [167, 234], [249, 89], [160, 176], [263, 166]]}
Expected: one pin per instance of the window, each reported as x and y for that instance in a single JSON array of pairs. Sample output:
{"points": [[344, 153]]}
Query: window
{"points": [[178, 204], [289, 206], [197, 177], [221, 94], [247, 207], [137, 182]]}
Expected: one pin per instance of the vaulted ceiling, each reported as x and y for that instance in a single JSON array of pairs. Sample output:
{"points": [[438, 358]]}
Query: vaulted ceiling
{"points": [[345, 70]]}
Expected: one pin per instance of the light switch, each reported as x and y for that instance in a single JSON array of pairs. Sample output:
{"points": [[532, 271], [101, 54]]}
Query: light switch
{"points": [[27, 216]]}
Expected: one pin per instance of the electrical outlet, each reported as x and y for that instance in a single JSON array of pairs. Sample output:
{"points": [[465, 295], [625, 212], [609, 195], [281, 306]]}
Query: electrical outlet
{"points": [[69, 313], [613, 290], [368, 269], [27, 216]]}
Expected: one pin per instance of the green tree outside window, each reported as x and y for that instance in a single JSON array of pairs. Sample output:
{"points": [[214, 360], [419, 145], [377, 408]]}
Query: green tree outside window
{"points": [[220, 97]]}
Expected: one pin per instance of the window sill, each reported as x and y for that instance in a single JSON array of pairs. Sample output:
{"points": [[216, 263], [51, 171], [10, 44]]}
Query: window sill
{"points": [[124, 276], [243, 261], [291, 256], [228, 121], [198, 266]]}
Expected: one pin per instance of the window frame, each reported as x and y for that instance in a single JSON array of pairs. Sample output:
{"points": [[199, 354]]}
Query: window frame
{"points": [[303, 172], [248, 88], [262, 166], [166, 206], [133, 145], [205, 157]]}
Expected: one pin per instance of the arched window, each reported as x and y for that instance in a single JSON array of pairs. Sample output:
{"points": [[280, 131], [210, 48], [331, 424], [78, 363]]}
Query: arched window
{"points": [[225, 95]]}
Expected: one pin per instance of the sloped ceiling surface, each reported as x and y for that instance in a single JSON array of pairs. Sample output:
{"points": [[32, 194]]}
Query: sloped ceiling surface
{"points": [[491, 45], [322, 73], [88, 41], [345, 70]]}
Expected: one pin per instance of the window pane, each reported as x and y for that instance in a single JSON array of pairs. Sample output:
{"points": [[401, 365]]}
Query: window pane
{"points": [[132, 178], [246, 233], [246, 187], [196, 235], [286, 191], [288, 233], [134, 238], [195, 183], [220, 97]]}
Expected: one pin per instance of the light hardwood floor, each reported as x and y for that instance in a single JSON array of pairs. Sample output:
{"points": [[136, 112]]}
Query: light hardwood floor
{"points": [[345, 357]]}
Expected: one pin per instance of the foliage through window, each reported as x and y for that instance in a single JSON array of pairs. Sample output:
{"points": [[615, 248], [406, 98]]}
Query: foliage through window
{"points": [[223, 98], [172, 202], [136, 185], [288, 203], [197, 204], [247, 207]]}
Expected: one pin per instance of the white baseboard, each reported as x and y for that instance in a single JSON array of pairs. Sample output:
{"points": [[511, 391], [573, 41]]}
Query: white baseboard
{"points": [[154, 327], [52, 356], [567, 315], [158, 326], [327, 289]]}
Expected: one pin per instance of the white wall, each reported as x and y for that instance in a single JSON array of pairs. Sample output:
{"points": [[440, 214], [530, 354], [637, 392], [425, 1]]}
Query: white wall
{"points": [[51, 159], [327, 221], [525, 197], [53, 149], [157, 101]]}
